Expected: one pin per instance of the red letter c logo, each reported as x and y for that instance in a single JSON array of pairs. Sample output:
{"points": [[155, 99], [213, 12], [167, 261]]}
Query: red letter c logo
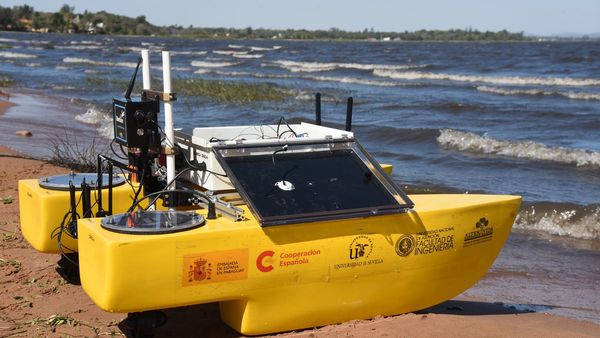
{"points": [[261, 257]]}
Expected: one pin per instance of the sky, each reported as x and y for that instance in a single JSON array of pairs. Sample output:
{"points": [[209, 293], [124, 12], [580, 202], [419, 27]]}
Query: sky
{"points": [[536, 17]]}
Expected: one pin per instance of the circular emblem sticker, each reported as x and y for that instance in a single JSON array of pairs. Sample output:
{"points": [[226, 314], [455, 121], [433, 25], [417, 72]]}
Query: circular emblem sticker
{"points": [[405, 245]]}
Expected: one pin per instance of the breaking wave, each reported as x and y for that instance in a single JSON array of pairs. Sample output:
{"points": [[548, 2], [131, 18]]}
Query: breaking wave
{"points": [[502, 80], [538, 92], [13, 55], [246, 56], [206, 64], [465, 141], [79, 47], [576, 222], [352, 80], [226, 52], [298, 66], [202, 52], [86, 42], [97, 117], [83, 61], [261, 49], [235, 46], [337, 79]]}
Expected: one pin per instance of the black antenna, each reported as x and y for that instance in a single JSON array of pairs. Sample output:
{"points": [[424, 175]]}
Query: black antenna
{"points": [[318, 109], [132, 81], [349, 114]]}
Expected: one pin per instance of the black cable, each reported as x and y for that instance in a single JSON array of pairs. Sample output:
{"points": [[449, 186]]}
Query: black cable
{"points": [[287, 131], [115, 153], [282, 119], [123, 151], [197, 168], [168, 184], [284, 148], [185, 157], [191, 192]]}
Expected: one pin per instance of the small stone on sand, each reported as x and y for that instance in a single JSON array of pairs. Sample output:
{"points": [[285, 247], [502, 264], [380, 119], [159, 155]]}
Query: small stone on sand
{"points": [[24, 133]]}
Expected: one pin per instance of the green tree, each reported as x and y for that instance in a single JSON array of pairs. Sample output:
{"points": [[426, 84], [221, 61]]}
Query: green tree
{"points": [[6, 18], [57, 22], [39, 21], [23, 12], [66, 9]]}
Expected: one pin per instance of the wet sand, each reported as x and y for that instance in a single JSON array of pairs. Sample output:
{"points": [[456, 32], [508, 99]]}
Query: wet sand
{"points": [[31, 292], [4, 105]]}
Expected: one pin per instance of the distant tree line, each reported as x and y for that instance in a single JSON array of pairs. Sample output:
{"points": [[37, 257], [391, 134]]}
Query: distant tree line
{"points": [[25, 18]]}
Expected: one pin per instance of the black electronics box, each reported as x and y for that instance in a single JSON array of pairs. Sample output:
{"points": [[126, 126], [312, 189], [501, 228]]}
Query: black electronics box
{"points": [[136, 123]]}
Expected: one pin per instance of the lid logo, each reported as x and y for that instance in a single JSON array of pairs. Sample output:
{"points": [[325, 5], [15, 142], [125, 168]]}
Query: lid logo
{"points": [[405, 245], [360, 247]]}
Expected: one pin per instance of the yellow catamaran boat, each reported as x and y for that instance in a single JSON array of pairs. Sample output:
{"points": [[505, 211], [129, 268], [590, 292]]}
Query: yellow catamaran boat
{"points": [[287, 226]]}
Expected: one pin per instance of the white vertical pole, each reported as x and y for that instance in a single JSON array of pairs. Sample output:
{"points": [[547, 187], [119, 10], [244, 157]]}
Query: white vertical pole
{"points": [[166, 59], [146, 69], [147, 84]]}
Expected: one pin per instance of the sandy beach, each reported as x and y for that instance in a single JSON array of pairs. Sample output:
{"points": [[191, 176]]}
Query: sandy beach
{"points": [[34, 297]]}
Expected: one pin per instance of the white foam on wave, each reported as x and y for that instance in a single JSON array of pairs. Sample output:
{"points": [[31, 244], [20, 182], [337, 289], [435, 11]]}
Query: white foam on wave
{"points": [[153, 44], [206, 64], [465, 141], [352, 80], [79, 47], [337, 79], [301, 66], [84, 61], [247, 56], [501, 80], [561, 223], [235, 46], [202, 71], [181, 69], [262, 49], [201, 52], [225, 52], [86, 42], [8, 40], [95, 116], [537, 92], [13, 55]]}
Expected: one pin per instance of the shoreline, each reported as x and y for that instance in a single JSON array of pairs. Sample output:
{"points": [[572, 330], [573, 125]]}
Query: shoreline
{"points": [[528, 39], [4, 106]]}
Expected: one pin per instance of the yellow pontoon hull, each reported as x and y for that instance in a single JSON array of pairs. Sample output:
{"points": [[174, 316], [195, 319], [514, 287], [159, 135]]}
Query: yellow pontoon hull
{"points": [[304, 275], [42, 211]]}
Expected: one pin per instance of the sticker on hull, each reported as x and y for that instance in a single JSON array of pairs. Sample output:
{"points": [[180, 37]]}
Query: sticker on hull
{"points": [[215, 266]]}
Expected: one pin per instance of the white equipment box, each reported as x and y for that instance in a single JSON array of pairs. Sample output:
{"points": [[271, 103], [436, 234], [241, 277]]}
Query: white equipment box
{"points": [[197, 144]]}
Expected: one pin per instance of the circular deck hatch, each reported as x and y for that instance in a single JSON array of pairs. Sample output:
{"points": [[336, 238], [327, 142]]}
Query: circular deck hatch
{"points": [[152, 222], [61, 182]]}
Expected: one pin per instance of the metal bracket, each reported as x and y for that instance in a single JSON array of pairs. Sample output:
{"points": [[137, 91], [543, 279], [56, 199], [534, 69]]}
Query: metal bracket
{"points": [[170, 151], [156, 95], [225, 209]]}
